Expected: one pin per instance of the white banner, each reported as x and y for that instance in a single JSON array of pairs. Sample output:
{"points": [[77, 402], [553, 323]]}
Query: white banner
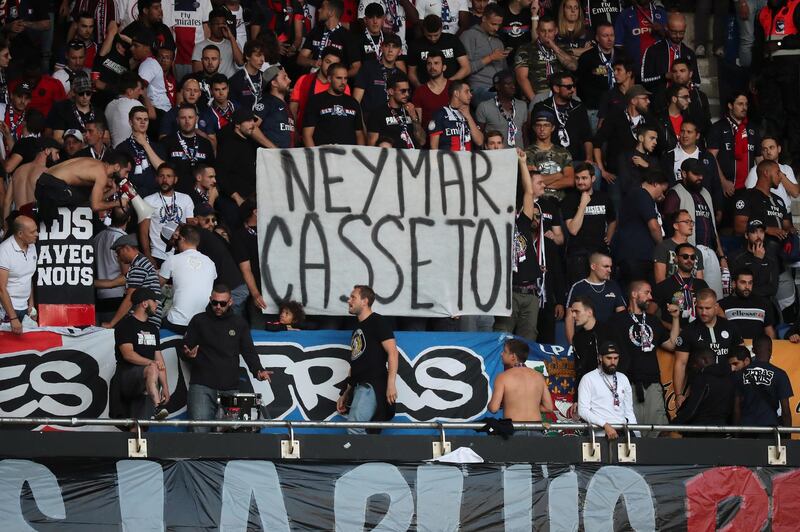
{"points": [[430, 231]]}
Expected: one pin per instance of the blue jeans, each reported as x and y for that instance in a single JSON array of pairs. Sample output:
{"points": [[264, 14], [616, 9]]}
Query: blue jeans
{"points": [[239, 296], [363, 406], [202, 404], [747, 32]]}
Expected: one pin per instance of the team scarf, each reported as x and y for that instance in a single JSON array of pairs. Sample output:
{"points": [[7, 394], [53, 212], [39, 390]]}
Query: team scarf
{"points": [[511, 134], [741, 153]]}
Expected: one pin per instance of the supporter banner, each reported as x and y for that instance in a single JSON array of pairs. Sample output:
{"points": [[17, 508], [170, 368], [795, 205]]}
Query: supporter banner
{"points": [[146, 495], [441, 376], [65, 278], [431, 231]]}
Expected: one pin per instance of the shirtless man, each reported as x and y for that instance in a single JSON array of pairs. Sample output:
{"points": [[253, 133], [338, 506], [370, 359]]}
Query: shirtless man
{"points": [[521, 391], [82, 180], [23, 181]]}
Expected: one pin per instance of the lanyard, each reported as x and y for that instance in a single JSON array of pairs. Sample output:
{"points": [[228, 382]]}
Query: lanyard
{"points": [[256, 89], [562, 117], [95, 155], [139, 155], [688, 301], [375, 47], [326, 39], [202, 193], [402, 121], [609, 64], [548, 56], [645, 336], [79, 116], [190, 153], [511, 135], [13, 125], [170, 213], [633, 123], [611, 388], [223, 114], [391, 10]]}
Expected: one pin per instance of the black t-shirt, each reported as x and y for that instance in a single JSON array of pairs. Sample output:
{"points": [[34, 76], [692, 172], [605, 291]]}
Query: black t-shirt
{"points": [[335, 118], [719, 339], [276, 122], [142, 334], [633, 236], [217, 249], [368, 45], [236, 164], [162, 33], [771, 210], [639, 337], [244, 245], [528, 269], [372, 77], [751, 314], [246, 93], [597, 215], [515, 29], [598, 11], [65, 115], [368, 358], [110, 66], [27, 148], [450, 46], [572, 126], [393, 123], [204, 80], [762, 385], [340, 38], [672, 289], [185, 153], [595, 77], [586, 348]]}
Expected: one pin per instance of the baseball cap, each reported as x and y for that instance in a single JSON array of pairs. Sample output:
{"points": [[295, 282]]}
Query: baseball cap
{"points": [[144, 36], [74, 133], [544, 116], [204, 209], [393, 39], [81, 83], [753, 225], [23, 88], [373, 10], [143, 294], [243, 115], [127, 240], [692, 165], [606, 348], [271, 73], [636, 90]]}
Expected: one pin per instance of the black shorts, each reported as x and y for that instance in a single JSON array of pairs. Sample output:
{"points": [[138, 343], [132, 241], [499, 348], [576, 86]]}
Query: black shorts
{"points": [[53, 191], [131, 382]]}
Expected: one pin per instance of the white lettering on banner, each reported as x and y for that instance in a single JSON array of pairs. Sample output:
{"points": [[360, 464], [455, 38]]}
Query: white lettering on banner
{"points": [[430, 231], [63, 262]]}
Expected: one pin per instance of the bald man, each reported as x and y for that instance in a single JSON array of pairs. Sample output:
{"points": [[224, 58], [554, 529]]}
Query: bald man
{"points": [[17, 266], [657, 59]]}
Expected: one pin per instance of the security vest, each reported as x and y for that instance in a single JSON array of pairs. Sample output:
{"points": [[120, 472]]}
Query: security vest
{"points": [[779, 26]]}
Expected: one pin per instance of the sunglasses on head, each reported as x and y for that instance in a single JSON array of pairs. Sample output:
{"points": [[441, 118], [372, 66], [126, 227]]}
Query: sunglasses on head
{"points": [[218, 303], [688, 256]]}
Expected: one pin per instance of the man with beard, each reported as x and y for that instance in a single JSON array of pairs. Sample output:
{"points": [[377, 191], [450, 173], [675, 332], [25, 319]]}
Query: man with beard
{"points": [[146, 158], [236, 166], [191, 95], [333, 117], [221, 37], [434, 93], [699, 111], [169, 207], [213, 342], [732, 141], [605, 395], [277, 124], [186, 148], [687, 148], [456, 62], [330, 32], [371, 390], [308, 85], [708, 331], [671, 119], [399, 120], [572, 131], [638, 334], [754, 315], [619, 132], [635, 164], [591, 221], [664, 258], [151, 17], [658, 57], [681, 287], [504, 112], [74, 113], [79, 181], [22, 184], [754, 257], [690, 195]]}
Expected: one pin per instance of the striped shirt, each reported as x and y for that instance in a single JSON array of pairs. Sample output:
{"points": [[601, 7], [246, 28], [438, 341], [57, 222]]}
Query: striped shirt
{"points": [[142, 274]]}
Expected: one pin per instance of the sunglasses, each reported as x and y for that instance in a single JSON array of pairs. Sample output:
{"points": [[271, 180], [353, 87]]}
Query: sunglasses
{"points": [[687, 256], [568, 87], [403, 91], [218, 303], [85, 93]]}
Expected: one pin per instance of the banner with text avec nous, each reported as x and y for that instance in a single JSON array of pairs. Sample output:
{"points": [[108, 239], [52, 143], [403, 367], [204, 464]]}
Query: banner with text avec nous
{"points": [[430, 231]]}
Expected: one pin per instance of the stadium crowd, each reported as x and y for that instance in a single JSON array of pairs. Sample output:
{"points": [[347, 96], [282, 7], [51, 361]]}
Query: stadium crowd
{"points": [[644, 220]]}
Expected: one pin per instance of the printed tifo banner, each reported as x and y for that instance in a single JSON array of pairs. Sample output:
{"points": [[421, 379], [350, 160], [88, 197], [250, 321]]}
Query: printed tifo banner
{"points": [[65, 277], [147, 495], [441, 376], [431, 231]]}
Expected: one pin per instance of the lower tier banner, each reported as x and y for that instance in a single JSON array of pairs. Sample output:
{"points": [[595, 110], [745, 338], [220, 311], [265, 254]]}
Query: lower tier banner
{"points": [[441, 376], [144, 496]]}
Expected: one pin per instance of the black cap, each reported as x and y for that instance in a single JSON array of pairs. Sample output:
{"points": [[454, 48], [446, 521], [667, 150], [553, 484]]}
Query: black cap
{"points": [[607, 348], [753, 225], [393, 39], [204, 209], [243, 115], [692, 165], [144, 36], [23, 88], [143, 294], [545, 116]]}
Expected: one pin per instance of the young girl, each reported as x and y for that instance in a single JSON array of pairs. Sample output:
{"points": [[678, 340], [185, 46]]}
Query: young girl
{"points": [[291, 316]]}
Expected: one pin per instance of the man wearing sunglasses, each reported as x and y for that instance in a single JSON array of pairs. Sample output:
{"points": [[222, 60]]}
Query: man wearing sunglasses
{"points": [[399, 120], [213, 342], [75, 58], [681, 287], [572, 130], [74, 113]]}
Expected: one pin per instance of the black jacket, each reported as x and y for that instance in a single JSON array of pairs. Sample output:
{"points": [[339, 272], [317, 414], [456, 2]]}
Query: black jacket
{"points": [[655, 65], [577, 126], [710, 400], [221, 339]]}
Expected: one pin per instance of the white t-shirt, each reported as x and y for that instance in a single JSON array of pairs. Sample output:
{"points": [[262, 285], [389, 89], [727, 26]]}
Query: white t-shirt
{"points": [[119, 126], [226, 63], [20, 267], [241, 30], [434, 7], [681, 156], [176, 208], [192, 275], [780, 190], [400, 15], [127, 11], [150, 71], [187, 26], [106, 261]]}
